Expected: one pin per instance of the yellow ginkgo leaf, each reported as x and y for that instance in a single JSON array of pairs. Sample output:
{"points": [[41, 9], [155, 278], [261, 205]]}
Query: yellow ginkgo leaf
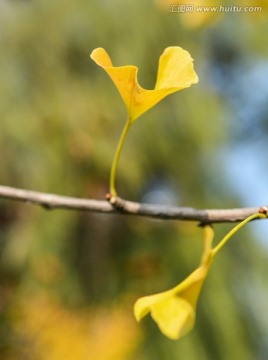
{"points": [[175, 72], [174, 310]]}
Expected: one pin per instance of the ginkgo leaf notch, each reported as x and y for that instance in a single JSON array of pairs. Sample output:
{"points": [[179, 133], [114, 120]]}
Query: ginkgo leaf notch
{"points": [[175, 72]]}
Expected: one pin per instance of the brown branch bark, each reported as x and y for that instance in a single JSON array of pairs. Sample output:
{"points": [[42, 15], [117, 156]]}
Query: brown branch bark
{"points": [[51, 201]]}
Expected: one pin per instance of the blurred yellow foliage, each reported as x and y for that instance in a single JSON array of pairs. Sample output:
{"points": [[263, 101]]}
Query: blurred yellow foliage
{"points": [[260, 15], [48, 330]]}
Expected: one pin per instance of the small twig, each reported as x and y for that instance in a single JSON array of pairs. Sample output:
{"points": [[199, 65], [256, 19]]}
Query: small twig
{"points": [[51, 201]]}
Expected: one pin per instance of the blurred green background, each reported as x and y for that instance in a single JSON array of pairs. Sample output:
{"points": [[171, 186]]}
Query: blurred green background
{"points": [[68, 280]]}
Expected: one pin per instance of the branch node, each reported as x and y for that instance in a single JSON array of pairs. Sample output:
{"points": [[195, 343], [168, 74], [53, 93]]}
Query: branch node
{"points": [[117, 202], [264, 210]]}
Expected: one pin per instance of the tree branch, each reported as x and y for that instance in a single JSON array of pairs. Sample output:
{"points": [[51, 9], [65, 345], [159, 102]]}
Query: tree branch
{"points": [[51, 201]]}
